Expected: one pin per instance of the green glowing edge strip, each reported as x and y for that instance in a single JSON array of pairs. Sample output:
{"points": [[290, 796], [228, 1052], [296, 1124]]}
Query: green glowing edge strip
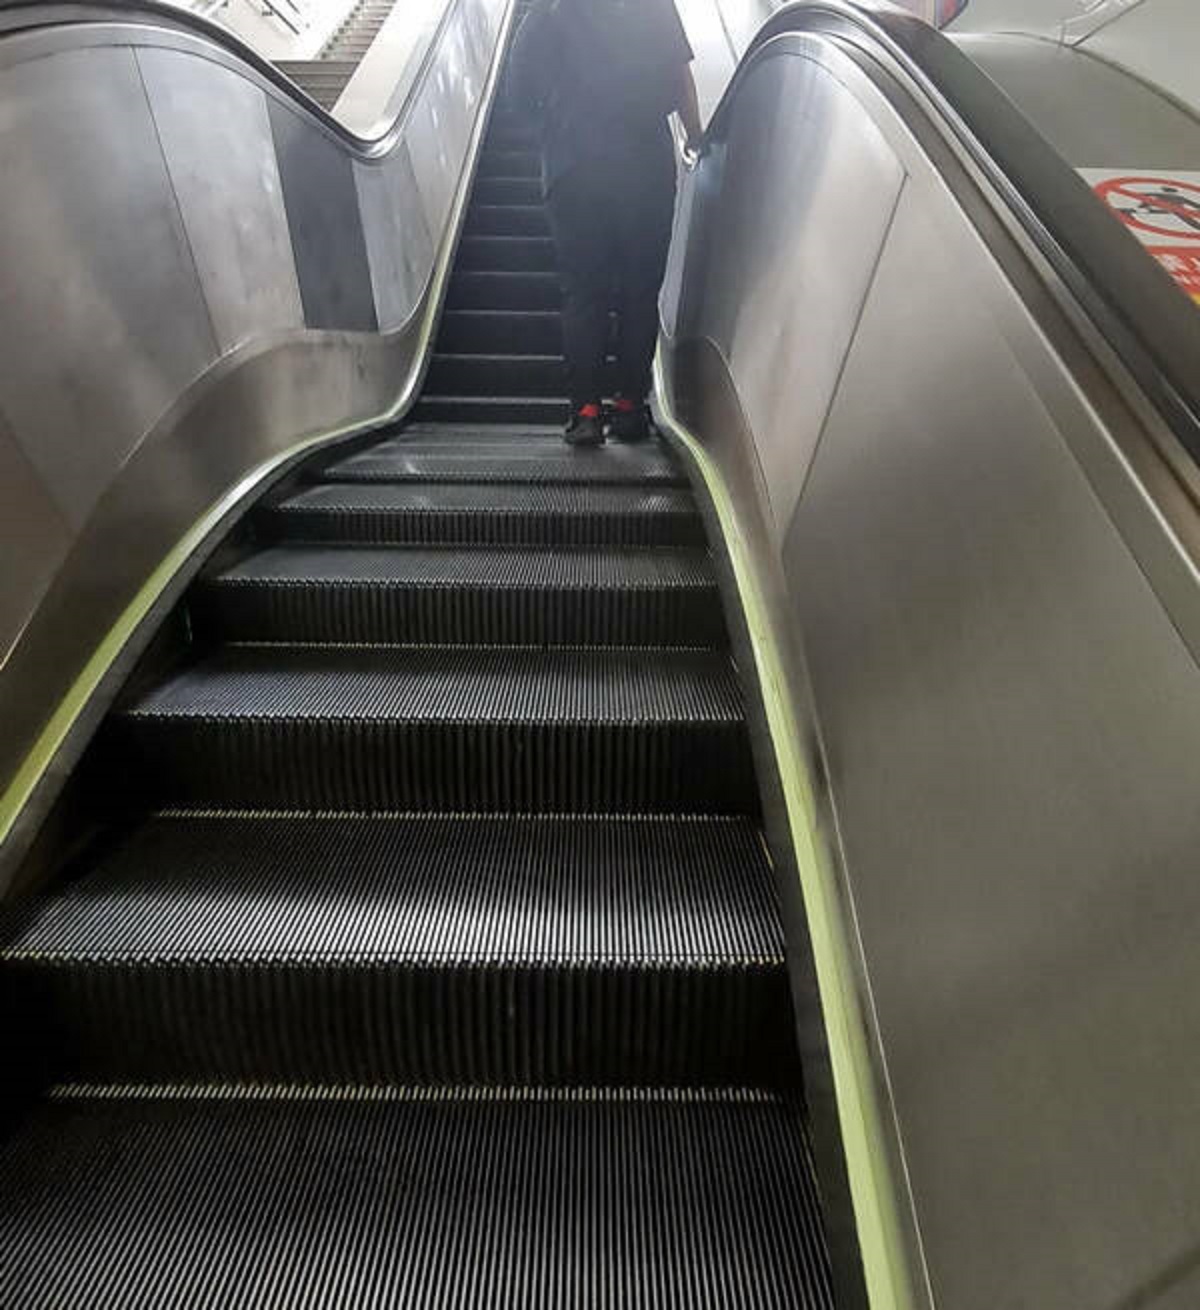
{"points": [[884, 1254], [41, 755]]}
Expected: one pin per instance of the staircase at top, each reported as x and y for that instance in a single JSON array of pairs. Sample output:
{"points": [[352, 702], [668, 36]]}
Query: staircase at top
{"points": [[439, 963], [326, 77]]}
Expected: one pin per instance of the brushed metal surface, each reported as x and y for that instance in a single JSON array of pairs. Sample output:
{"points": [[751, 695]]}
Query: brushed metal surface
{"points": [[98, 279], [328, 245], [232, 210], [130, 420], [399, 243], [1095, 114], [991, 576], [835, 200]]}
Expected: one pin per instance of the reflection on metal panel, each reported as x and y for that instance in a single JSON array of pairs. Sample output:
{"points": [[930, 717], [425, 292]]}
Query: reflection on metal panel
{"points": [[35, 536], [1012, 723], [832, 205], [98, 280], [989, 572], [233, 214], [326, 229], [399, 246]]}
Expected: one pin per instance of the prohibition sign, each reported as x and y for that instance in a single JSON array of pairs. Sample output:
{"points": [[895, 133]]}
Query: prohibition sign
{"points": [[1163, 207]]}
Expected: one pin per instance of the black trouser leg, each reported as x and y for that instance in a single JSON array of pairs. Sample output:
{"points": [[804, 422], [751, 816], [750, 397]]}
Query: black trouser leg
{"points": [[582, 228], [643, 210]]}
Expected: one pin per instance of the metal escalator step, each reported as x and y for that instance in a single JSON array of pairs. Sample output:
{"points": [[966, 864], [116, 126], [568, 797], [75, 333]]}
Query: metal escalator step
{"points": [[483, 411], [443, 1201], [473, 290], [404, 950], [447, 596], [509, 191], [497, 331], [499, 375], [472, 514], [528, 219], [533, 459], [510, 163], [506, 254], [496, 730]]}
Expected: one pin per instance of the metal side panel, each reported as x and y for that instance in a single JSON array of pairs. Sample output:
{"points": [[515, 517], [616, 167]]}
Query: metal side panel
{"points": [[834, 202], [234, 215], [92, 249], [39, 538], [399, 244], [1011, 721], [327, 233]]}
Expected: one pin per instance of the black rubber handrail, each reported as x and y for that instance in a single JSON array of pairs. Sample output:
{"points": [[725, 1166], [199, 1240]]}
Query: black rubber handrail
{"points": [[24, 15], [1133, 302]]}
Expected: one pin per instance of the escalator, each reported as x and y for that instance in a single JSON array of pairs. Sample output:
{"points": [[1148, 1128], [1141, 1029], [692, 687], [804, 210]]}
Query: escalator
{"points": [[434, 955], [442, 868]]}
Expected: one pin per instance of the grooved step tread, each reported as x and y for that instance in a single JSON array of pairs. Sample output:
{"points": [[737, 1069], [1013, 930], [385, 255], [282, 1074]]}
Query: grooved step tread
{"points": [[445, 596], [424, 890], [525, 460], [615, 1202], [450, 685], [548, 514], [509, 569]]}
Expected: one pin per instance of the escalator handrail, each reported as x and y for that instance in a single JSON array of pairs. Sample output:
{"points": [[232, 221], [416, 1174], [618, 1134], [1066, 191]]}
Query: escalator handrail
{"points": [[25, 15], [1133, 303]]}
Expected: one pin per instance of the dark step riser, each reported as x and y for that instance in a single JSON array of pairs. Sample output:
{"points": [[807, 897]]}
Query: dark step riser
{"points": [[508, 221], [467, 333], [460, 615], [510, 163], [539, 291], [369, 1023], [458, 375], [439, 409], [460, 768], [470, 527], [506, 255], [524, 191]]}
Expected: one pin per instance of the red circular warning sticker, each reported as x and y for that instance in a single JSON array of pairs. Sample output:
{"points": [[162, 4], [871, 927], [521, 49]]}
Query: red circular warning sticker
{"points": [[1165, 208]]}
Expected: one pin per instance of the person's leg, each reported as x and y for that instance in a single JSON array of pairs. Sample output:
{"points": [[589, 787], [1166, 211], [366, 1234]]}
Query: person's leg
{"points": [[583, 245], [643, 220]]}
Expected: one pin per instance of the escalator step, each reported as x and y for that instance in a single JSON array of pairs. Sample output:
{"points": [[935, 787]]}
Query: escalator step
{"points": [[463, 597], [610, 1201], [507, 191], [496, 331], [525, 219], [488, 411], [506, 254], [467, 513], [510, 163], [532, 459], [412, 950], [503, 291], [446, 729], [500, 375]]}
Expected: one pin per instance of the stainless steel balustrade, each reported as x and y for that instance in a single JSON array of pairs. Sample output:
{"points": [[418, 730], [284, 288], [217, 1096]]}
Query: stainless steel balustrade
{"points": [[965, 497], [202, 277]]}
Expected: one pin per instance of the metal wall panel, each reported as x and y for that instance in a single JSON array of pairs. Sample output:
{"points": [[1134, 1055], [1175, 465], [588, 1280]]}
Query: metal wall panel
{"points": [[431, 157], [830, 209], [1012, 723], [232, 210], [98, 282], [36, 539], [399, 244], [327, 235]]}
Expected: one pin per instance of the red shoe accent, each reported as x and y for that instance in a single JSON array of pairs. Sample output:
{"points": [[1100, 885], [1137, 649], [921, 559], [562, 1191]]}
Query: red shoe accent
{"points": [[588, 411], [623, 405]]}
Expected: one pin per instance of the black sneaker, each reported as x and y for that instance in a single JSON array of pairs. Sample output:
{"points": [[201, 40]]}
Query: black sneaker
{"points": [[583, 430], [631, 425]]}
